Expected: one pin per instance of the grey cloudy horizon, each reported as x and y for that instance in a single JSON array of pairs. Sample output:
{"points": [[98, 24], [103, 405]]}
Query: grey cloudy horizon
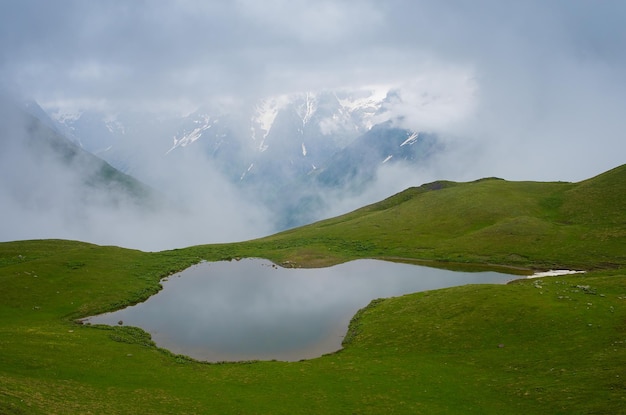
{"points": [[531, 89]]}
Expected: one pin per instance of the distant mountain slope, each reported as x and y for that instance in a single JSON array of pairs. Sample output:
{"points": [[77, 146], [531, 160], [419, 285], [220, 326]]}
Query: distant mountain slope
{"points": [[488, 220], [357, 163], [51, 159], [348, 172], [52, 188]]}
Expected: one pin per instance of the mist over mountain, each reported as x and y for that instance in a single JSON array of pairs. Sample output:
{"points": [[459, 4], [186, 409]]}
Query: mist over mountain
{"points": [[299, 155], [251, 117], [51, 187]]}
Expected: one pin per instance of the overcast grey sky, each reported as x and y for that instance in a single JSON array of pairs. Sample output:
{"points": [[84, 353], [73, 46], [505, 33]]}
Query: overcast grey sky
{"points": [[521, 89]]}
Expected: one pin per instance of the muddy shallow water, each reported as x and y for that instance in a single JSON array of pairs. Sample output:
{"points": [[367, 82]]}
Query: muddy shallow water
{"points": [[252, 309]]}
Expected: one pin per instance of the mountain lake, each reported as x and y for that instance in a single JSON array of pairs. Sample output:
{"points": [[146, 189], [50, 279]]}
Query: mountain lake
{"points": [[252, 309]]}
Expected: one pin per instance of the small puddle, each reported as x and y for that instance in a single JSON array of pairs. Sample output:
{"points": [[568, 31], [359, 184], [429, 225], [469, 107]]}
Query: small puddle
{"points": [[252, 309]]}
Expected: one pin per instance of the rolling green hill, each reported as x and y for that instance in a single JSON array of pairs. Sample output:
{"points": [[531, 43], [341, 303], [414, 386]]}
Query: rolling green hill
{"points": [[525, 224], [552, 345]]}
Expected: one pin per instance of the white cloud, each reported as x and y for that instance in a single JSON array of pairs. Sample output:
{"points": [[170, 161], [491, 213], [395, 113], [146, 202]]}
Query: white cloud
{"points": [[45, 192], [434, 101], [521, 90], [311, 23]]}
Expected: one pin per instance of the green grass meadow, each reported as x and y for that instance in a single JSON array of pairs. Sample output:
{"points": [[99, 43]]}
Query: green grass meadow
{"points": [[553, 345]]}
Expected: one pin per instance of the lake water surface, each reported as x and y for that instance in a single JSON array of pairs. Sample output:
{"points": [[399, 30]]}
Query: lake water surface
{"points": [[251, 309]]}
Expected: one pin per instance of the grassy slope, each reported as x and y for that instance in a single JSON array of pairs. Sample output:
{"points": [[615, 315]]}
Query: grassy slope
{"points": [[526, 224], [563, 338]]}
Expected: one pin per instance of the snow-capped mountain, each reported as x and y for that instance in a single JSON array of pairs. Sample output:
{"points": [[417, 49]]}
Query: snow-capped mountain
{"points": [[351, 170], [325, 139], [304, 128], [357, 163], [307, 129]]}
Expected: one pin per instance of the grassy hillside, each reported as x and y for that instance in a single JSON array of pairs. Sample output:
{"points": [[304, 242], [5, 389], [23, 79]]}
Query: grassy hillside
{"points": [[555, 345], [525, 224]]}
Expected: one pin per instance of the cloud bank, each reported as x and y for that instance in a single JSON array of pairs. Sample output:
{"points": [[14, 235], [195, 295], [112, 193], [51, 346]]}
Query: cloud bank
{"points": [[520, 90], [49, 189], [548, 76]]}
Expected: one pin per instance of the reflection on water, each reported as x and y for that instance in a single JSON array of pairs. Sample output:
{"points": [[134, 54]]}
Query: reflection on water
{"points": [[252, 309]]}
